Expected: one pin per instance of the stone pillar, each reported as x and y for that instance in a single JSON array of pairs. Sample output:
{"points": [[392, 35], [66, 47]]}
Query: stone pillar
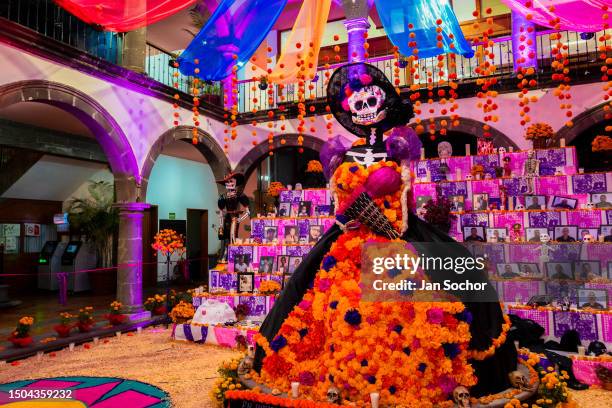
{"points": [[524, 53], [356, 28], [129, 272], [134, 50]]}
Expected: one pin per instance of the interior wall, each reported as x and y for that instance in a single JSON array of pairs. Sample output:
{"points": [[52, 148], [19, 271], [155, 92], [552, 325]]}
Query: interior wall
{"points": [[83, 190]]}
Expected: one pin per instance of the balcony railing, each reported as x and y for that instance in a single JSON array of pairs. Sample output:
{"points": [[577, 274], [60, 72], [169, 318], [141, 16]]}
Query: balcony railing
{"points": [[50, 20], [583, 57]]}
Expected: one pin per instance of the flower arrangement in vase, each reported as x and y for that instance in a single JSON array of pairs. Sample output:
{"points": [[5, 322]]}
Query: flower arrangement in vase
{"points": [[65, 326], [168, 241], [601, 143], [156, 305], [85, 319], [115, 314], [242, 310], [269, 287], [540, 135], [275, 188], [182, 312], [20, 337]]}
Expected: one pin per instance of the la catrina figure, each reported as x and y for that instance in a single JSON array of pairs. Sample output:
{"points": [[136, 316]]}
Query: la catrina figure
{"points": [[322, 334], [234, 208]]}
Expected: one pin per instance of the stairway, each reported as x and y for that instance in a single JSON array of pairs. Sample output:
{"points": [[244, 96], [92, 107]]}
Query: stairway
{"points": [[14, 163]]}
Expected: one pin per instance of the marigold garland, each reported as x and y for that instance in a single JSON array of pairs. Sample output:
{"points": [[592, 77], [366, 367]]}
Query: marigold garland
{"points": [[601, 143], [269, 287], [496, 343]]}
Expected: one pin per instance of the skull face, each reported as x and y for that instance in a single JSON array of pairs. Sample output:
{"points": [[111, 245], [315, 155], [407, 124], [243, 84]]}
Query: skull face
{"points": [[544, 237], [333, 395], [469, 177], [230, 186], [587, 238], [366, 105], [518, 380], [590, 205], [501, 150], [519, 207], [461, 396]]}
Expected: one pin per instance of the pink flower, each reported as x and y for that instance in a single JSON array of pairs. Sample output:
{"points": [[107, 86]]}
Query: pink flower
{"points": [[435, 315], [305, 305], [324, 285], [447, 384], [306, 378]]}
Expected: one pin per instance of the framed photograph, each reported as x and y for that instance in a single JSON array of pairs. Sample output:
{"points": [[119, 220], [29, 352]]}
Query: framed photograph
{"points": [[562, 203], [457, 203], [284, 209], [508, 270], [606, 232], [322, 210], [497, 234], [601, 200], [559, 270], [266, 264], [314, 233], [473, 234], [294, 262], [480, 202], [533, 234], [304, 209], [565, 233], [270, 234], [535, 202], [594, 232], [241, 262], [282, 263], [291, 235], [587, 270], [246, 282], [422, 200], [593, 299], [530, 270]]}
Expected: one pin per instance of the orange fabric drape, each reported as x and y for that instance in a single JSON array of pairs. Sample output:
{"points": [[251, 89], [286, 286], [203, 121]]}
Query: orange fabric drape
{"points": [[308, 29]]}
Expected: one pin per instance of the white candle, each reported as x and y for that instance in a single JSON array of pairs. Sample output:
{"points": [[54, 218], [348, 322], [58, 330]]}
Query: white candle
{"points": [[516, 344], [458, 174], [467, 149], [422, 153], [374, 399], [427, 175], [543, 207], [118, 334], [510, 149], [139, 330], [71, 347], [581, 170], [581, 349], [96, 340], [39, 355], [295, 389], [562, 142]]}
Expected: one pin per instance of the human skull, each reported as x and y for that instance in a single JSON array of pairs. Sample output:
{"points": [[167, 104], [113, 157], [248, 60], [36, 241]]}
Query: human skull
{"points": [[445, 150], [230, 186], [519, 207], [245, 365], [544, 238], [501, 150], [488, 176], [367, 105], [590, 205], [518, 380], [333, 395], [530, 153], [461, 396], [469, 177], [587, 238]]}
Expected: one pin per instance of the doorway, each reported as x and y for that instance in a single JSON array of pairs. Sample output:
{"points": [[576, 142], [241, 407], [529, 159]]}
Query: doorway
{"points": [[197, 245], [149, 255]]}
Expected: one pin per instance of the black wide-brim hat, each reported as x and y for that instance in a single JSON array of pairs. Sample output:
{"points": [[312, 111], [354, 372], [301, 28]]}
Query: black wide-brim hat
{"points": [[398, 113], [239, 177]]}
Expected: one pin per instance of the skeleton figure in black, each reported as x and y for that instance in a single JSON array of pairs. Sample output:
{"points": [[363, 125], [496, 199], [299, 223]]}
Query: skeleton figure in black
{"points": [[234, 208]]}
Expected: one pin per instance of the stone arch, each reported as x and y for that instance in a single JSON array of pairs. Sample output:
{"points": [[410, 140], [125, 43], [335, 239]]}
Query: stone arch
{"points": [[474, 127], [103, 126], [208, 146], [581, 123], [249, 161]]}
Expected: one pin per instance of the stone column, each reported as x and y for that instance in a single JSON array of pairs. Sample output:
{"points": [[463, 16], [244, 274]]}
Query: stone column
{"points": [[356, 28], [134, 50], [129, 272], [524, 53]]}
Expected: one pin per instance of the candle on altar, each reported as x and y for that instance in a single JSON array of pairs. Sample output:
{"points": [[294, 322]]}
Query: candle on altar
{"points": [[374, 399], [295, 389], [562, 142], [458, 174], [422, 153], [467, 150]]}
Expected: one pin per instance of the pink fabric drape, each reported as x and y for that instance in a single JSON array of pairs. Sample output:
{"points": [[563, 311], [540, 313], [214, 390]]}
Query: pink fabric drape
{"points": [[573, 15], [123, 15]]}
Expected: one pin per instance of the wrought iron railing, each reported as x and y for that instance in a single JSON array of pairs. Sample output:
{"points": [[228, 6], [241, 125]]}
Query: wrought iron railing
{"points": [[582, 50], [50, 20]]}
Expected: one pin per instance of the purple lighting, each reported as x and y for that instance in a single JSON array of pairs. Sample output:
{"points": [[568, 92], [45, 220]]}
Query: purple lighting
{"points": [[356, 28], [524, 45]]}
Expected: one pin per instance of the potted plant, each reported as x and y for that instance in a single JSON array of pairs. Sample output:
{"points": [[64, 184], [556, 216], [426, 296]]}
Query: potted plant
{"points": [[21, 336], [242, 310], [439, 213], [115, 314], [85, 319], [97, 218], [182, 312], [156, 305], [540, 135], [604, 375], [64, 327]]}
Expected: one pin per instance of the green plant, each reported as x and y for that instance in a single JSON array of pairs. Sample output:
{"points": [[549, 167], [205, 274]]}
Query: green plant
{"points": [[96, 218]]}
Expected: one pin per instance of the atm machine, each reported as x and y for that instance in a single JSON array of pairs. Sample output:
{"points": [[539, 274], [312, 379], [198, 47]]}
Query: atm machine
{"points": [[49, 263], [78, 257]]}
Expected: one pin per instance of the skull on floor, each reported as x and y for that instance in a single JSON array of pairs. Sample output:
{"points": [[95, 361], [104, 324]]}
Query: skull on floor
{"points": [[461, 396], [367, 105], [518, 380], [333, 395]]}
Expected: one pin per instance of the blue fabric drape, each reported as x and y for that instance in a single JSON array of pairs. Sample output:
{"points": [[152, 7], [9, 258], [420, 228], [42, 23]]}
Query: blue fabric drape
{"points": [[422, 14], [236, 27]]}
